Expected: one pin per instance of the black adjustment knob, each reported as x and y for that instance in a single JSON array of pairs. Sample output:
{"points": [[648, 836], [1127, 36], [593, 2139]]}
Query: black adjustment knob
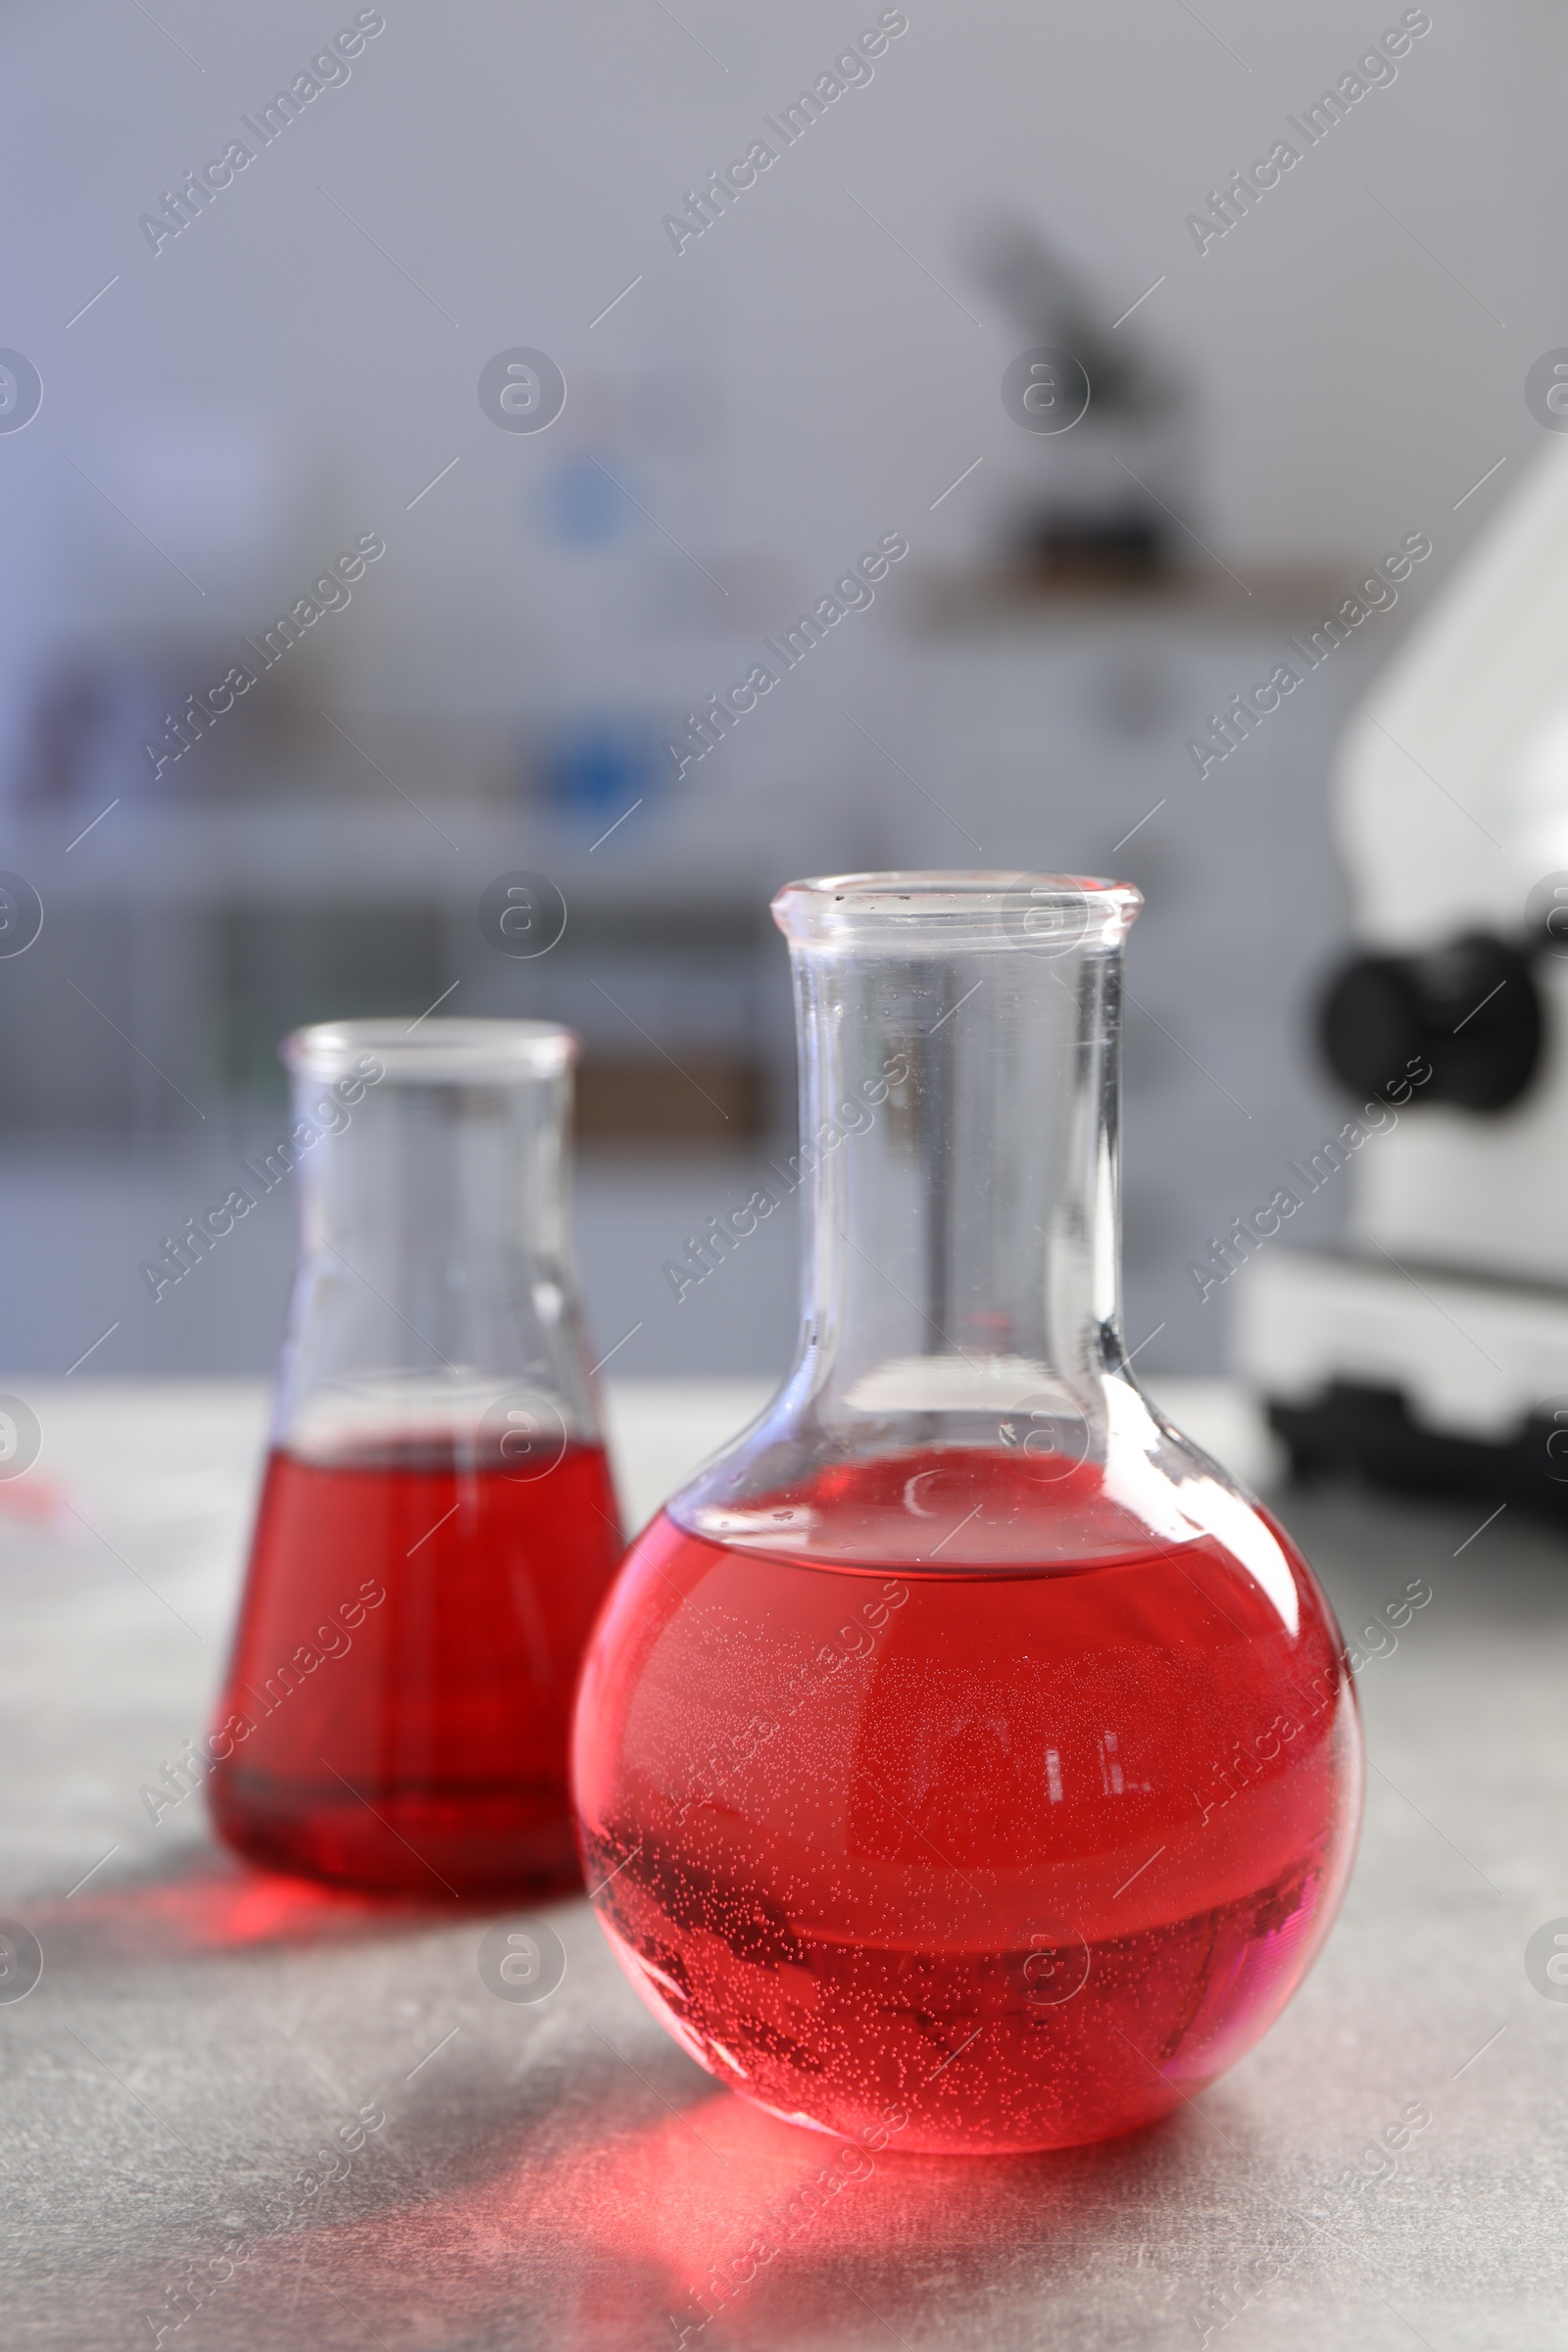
{"points": [[1472, 1009]]}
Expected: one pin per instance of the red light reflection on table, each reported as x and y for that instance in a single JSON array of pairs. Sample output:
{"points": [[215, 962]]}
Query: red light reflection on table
{"points": [[217, 1906]]}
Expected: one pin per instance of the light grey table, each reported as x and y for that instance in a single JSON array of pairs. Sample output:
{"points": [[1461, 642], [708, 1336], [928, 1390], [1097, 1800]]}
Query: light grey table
{"points": [[561, 2176]]}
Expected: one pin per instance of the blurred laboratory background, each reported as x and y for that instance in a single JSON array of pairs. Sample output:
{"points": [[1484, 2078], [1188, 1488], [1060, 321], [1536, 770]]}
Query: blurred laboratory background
{"points": [[302, 355]]}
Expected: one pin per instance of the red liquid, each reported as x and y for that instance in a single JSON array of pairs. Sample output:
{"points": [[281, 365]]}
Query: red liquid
{"points": [[425, 1747], [977, 1846]]}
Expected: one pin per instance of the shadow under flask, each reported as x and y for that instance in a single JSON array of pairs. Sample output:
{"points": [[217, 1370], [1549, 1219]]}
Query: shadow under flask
{"points": [[436, 1527], [961, 1753]]}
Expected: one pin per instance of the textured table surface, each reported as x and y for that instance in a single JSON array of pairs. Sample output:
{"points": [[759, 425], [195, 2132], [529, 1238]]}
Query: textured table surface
{"points": [[561, 2175]]}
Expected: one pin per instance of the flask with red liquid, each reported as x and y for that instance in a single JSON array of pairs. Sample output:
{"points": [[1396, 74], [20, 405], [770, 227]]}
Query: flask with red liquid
{"points": [[436, 1527], [963, 1744]]}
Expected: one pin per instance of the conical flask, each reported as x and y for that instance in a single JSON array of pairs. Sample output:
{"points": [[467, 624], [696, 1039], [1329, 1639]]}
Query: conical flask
{"points": [[436, 1527], [961, 1753]]}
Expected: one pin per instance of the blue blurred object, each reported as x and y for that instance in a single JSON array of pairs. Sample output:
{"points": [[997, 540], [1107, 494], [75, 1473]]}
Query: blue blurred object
{"points": [[601, 768], [581, 505]]}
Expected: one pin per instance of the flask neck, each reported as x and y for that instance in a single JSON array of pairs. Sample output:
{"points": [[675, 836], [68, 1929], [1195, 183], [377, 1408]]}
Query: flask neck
{"points": [[959, 1143], [434, 1274], [435, 1189]]}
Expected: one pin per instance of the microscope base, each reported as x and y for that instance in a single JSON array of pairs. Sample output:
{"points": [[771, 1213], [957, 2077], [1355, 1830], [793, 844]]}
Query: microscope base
{"points": [[1421, 1378]]}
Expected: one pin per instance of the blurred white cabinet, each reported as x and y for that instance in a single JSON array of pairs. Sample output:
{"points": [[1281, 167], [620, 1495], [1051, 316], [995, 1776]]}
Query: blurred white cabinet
{"points": [[180, 940]]}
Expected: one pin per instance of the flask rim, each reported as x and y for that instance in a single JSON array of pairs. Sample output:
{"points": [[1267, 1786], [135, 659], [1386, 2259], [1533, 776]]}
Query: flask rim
{"points": [[451, 1052], [957, 909]]}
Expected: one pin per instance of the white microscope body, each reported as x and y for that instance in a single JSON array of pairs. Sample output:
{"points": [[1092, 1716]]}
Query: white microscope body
{"points": [[1433, 1346]]}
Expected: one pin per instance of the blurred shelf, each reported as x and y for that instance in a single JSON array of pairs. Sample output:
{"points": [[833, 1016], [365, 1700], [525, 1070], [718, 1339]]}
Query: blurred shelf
{"points": [[692, 848], [1215, 598]]}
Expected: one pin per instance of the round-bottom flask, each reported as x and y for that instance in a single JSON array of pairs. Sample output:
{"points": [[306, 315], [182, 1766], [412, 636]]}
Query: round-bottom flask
{"points": [[963, 1754]]}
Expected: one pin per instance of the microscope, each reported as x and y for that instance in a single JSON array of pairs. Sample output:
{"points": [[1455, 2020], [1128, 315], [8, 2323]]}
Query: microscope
{"points": [[1430, 1349]]}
